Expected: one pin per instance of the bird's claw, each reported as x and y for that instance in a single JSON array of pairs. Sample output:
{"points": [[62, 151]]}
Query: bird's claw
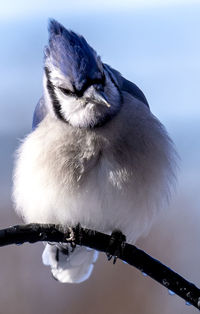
{"points": [[116, 245], [109, 257], [71, 239]]}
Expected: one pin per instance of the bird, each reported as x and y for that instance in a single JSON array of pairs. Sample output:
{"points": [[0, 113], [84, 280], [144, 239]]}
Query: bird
{"points": [[96, 154]]}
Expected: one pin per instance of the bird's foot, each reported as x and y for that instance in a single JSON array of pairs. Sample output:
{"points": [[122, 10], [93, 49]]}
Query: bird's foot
{"points": [[71, 239], [116, 245]]}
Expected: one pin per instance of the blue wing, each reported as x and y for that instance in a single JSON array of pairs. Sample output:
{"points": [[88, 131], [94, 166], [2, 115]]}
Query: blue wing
{"points": [[128, 86], [39, 113], [132, 89]]}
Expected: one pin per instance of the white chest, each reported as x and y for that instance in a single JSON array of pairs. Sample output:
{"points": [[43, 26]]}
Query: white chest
{"points": [[102, 180]]}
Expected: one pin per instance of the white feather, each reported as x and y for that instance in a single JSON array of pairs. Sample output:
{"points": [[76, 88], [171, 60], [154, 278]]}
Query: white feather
{"points": [[115, 177], [77, 110], [74, 268], [69, 176]]}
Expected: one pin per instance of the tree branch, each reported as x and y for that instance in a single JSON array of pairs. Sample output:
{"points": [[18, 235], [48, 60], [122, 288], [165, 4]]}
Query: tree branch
{"points": [[96, 240]]}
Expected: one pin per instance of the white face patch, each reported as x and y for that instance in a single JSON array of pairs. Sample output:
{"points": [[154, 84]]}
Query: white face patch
{"points": [[86, 111], [77, 111], [58, 79]]}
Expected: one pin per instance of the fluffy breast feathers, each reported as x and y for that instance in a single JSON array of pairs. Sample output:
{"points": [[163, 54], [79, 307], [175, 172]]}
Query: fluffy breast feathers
{"points": [[116, 176]]}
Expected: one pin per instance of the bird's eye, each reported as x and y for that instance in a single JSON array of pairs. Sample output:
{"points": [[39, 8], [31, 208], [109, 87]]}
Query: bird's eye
{"points": [[66, 91]]}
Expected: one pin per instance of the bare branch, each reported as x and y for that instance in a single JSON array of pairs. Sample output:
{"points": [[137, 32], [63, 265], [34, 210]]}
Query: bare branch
{"points": [[96, 240]]}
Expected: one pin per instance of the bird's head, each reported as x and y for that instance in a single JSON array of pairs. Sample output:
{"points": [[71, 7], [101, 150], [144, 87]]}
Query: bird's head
{"points": [[80, 89]]}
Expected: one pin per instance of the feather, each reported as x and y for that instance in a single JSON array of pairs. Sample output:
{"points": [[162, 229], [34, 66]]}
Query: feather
{"points": [[73, 267], [39, 113], [128, 86], [72, 55]]}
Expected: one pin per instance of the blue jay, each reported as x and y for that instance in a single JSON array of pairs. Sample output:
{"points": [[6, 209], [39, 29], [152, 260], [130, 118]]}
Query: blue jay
{"points": [[96, 155]]}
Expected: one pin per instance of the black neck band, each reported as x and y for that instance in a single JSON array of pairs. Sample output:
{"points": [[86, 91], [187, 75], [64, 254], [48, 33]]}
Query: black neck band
{"points": [[55, 101]]}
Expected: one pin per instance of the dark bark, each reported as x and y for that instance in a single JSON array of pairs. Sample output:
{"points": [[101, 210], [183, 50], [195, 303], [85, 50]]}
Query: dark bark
{"points": [[100, 242]]}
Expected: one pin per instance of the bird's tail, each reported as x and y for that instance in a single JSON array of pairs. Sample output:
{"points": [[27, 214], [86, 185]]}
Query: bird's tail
{"points": [[67, 266]]}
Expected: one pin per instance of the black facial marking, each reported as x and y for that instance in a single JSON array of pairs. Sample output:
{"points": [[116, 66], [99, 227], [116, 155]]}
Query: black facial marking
{"points": [[79, 93], [99, 82], [67, 92], [89, 82], [50, 87]]}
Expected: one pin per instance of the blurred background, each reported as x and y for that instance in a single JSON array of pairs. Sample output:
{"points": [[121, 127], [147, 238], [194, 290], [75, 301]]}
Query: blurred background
{"points": [[155, 44]]}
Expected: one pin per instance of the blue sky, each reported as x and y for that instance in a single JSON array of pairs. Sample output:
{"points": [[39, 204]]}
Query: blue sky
{"points": [[153, 43], [22, 8]]}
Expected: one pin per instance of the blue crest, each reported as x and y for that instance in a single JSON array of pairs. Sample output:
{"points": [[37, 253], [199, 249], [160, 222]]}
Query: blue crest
{"points": [[72, 55]]}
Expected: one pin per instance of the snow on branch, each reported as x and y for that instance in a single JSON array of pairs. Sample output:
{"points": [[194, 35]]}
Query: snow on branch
{"points": [[101, 242]]}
